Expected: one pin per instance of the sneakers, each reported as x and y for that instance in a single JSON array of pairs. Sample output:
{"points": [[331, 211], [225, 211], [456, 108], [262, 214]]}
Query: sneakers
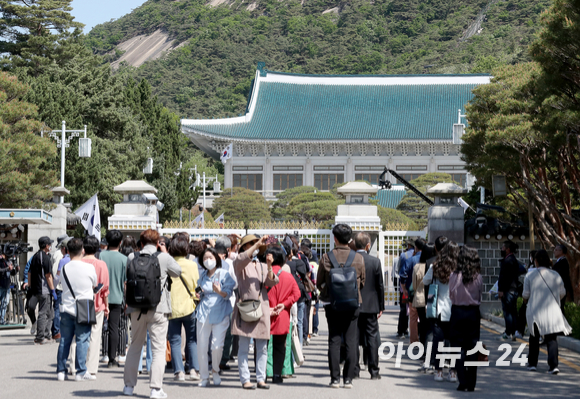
{"points": [[157, 394], [128, 391], [216, 378], [203, 383], [42, 341], [194, 375], [553, 371], [334, 384], [532, 368], [518, 335], [314, 334], [112, 363], [61, 376], [505, 336], [452, 376], [104, 359], [85, 377], [179, 376], [439, 376], [347, 384]]}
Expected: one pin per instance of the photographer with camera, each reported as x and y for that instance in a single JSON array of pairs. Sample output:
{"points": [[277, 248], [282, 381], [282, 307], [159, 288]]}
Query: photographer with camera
{"points": [[42, 287], [5, 270]]}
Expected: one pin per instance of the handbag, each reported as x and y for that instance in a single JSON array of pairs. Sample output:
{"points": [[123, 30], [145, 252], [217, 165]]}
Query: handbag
{"points": [[251, 309], [296, 347], [85, 307], [431, 306]]}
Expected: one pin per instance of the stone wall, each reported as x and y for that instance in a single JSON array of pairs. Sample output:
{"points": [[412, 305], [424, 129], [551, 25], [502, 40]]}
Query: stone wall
{"points": [[490, 255]]}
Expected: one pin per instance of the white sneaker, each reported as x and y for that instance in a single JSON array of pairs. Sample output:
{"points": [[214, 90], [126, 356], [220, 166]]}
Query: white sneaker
{"points": [[216, 378], [128, 391], [158, 394], [194, 375], [518, 335], [553, 371], [180, 376], [203, 383], [85, 377], [61, 376], [33, 329], [452, 376], [439, 376], [532, 368], [104, 359]]}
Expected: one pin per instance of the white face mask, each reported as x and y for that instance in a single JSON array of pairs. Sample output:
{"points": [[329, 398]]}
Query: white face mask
{"points": [[256, 252], [209, 264]]}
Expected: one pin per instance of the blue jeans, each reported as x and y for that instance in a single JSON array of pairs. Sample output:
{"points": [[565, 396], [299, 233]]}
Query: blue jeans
{"points": [[56, 319], [174, 337], [148, 356], [4, 299], [69, 328], [509, 305], [300, 317]]}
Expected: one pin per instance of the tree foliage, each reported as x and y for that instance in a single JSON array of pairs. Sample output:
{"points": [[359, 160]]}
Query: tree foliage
{"points": [[210, 74], [393, 216], [525, 125], [280, 207], [313, 207], [24, 179], [242, 204], [412, 205]]}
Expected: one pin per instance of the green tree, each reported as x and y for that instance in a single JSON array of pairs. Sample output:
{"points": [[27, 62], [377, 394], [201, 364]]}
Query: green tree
{"points": [[243, 205], [280, 207], [33, 32], [394, 216], [25, 182], [412, 205], [317, 207]]}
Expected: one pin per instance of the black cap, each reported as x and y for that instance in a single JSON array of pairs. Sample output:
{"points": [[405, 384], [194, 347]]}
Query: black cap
{"points": [[44, 241], [104, 242]]}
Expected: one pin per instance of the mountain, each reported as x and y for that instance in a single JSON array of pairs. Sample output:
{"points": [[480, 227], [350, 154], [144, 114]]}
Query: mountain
{"points": [[200, 57]]}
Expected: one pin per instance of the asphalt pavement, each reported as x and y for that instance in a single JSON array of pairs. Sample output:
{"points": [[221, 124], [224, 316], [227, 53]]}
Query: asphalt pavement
{"points": [[29, 371]]}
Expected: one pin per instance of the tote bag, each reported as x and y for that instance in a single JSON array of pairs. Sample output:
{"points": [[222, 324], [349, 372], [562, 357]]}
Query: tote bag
{"points": [[431, 307]]}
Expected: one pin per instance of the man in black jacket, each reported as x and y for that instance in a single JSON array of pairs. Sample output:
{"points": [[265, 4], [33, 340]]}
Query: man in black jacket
{"points": [[373, 305], [563, 269], [507, 287], [41, 286]]}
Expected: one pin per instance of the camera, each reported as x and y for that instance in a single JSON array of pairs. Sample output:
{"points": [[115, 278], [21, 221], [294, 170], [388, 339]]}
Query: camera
{"points": [[11, 251]]}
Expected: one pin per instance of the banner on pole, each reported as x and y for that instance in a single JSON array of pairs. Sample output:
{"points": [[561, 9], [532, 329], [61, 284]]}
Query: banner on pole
{"points": [[91, 216]]}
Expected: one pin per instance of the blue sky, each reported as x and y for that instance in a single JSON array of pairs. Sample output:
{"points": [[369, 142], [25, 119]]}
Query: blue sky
{"points": [[94, 12]]}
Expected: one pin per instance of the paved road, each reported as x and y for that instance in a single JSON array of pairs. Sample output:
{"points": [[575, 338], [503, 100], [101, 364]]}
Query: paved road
{"points": [[28, 371]]}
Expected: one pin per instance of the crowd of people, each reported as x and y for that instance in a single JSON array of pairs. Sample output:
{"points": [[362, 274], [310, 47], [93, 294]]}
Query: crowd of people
{"points": [[204, 303]]}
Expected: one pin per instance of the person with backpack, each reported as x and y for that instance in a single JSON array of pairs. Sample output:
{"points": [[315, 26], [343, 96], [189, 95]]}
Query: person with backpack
{"points": [[341, 276], [183, 303], [507, 287], [148, 305]]}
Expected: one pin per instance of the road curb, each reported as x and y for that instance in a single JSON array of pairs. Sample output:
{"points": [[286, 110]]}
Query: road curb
{"points": [[569, 343]]}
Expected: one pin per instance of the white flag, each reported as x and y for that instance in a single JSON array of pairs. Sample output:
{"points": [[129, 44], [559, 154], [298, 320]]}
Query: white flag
{"points": [[198, 220], [220, 219], [227, 153], [91, 216], [463, 204]]}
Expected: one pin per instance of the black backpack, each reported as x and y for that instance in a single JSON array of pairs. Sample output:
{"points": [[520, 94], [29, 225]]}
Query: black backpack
{"points": [[143, 281], [343, 287]]}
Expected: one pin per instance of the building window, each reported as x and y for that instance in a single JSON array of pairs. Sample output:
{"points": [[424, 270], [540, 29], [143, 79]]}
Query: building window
{"points": [[326, 181], [372, 178], [284, 181], [287, 168], [369, 168], [450, 167], [247, 168], [329, 168], [410, 176], [459, 178], [252, 182], [411, 167]]}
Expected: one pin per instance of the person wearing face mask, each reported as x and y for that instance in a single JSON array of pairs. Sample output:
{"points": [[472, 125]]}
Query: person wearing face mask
{"points": [[215, 286], [254, 278]]}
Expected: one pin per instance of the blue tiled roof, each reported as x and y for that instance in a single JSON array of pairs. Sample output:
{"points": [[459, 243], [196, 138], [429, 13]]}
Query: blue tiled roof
{"points": [[289, 111], [389, 198]]}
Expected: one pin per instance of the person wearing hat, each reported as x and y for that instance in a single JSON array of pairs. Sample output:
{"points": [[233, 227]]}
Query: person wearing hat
{"points": [[59, 259], [254, 278], [42, 287]]}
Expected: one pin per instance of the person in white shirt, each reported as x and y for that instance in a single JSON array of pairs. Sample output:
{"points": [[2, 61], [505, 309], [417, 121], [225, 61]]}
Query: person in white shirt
{"points": [[82, 279]]}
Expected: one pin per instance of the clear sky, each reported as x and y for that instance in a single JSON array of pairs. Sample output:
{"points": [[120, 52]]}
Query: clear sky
{"points": [[94, 12]]}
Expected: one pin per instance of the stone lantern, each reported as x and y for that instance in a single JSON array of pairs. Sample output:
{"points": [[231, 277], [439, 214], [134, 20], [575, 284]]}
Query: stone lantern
{"points": [[446, 215], [139, 209]]}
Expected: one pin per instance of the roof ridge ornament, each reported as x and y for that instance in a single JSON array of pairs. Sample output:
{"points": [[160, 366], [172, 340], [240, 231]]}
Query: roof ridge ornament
{"points": [[262, 69]]}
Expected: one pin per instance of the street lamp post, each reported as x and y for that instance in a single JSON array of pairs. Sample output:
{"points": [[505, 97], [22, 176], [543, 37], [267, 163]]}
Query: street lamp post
{"points": [[64, 142]]}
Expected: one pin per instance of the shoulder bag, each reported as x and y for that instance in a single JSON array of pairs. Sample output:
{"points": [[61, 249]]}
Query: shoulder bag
{"points": [[85, 307], [431, 308], [555, 299], [251, 309]]}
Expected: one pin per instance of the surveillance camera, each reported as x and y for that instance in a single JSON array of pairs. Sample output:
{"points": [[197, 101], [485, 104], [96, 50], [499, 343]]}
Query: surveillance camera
{"points": [[160, 205]]}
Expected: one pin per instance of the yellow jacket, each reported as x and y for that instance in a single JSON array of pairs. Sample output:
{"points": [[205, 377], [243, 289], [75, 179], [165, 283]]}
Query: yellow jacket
{"points": [[182, 303]]}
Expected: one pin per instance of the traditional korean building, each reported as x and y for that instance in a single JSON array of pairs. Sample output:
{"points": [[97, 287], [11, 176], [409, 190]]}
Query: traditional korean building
{"points": [[318, 130]]}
